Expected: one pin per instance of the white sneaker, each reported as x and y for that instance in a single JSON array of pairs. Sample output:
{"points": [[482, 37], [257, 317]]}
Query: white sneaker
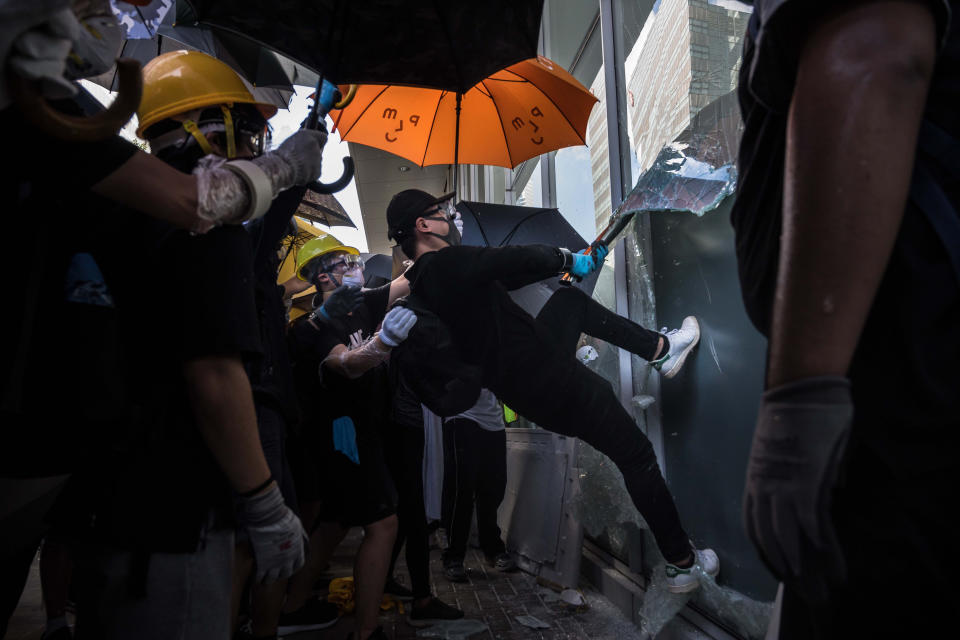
{"points": [[682, 341], [686, 580]]}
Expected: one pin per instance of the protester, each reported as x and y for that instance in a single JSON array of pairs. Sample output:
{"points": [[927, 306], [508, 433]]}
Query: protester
{"points": [[466, 287], [160, 497], [340, 360], [40, 188], [847, 240], [474, 472]]}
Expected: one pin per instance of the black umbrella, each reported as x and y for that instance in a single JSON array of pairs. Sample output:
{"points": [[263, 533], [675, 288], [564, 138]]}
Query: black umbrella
{"points": [[323, 208], [500, 225], [429, 43], [377, 269]]}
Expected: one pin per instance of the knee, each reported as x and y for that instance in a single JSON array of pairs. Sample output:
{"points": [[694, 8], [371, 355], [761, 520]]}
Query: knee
{"points": [[386, 528]]}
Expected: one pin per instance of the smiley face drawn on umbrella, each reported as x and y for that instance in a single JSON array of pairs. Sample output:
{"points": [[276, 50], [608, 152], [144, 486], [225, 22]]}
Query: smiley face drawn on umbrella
{"points": [[518, 123], [391, 114]]}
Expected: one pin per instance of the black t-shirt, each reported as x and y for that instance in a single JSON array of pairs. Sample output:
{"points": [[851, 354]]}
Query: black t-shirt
{"points": [[771, 52], [326, 395], [177, 297], [189, 297], [905, 368], [464, 287]]}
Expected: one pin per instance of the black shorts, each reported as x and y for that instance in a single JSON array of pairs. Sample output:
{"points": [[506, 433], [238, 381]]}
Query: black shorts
{"points": [[349, 494]]}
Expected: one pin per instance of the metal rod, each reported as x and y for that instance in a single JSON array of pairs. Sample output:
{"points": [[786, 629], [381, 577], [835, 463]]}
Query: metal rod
{"points": [[456, 151]]}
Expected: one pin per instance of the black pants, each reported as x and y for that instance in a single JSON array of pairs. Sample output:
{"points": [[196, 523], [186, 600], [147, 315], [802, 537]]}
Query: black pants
{"points": [[405, 460], [545, 384], [474, 472], [570, 312]]}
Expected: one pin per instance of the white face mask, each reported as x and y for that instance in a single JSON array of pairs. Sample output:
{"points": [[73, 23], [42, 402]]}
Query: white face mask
{"points": [[352, 278]]}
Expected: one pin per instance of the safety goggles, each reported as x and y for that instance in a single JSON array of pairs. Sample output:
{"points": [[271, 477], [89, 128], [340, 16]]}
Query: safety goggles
{"points": [[341, 263], [442, 211]]}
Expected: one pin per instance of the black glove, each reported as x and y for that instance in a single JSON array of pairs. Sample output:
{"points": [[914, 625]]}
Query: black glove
{"points": [[340, 303], [798, 448]]}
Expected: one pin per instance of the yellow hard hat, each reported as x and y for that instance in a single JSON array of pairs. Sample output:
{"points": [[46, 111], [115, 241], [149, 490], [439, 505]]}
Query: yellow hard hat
{"points": [[181, 81], [317, 247]]}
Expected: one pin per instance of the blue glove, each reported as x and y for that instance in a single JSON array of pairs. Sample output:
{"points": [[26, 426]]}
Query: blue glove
{"points": [[584, 265], [345, 438]]}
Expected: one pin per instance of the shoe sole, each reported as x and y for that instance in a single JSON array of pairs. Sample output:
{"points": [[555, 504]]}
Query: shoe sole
{"points": [[675, 369], [297, 628]]}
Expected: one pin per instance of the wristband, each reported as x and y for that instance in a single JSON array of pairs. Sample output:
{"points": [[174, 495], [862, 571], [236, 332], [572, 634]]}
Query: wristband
{"points": [[260, 487]]}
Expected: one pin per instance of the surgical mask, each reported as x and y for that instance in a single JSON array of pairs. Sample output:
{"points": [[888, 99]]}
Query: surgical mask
{"points": [[352, 278]]}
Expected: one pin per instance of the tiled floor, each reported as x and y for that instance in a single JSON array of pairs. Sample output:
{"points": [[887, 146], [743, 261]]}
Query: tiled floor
{"points": [[494, 599]]}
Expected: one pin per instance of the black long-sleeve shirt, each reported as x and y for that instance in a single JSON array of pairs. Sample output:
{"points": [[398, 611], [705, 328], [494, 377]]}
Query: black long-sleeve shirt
{"points": [[467, 288]]}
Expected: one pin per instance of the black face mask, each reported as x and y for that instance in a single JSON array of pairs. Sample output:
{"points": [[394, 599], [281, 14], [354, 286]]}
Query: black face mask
{"points": [[452, 237]]}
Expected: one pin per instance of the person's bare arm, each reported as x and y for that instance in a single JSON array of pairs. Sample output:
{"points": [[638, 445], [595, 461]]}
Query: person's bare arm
{"points": [[222, 402], [399, 288], [858, 102], [148, 184]]}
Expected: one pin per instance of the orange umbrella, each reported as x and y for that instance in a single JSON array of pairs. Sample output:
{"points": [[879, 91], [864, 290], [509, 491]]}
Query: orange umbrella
{"points": [[527, 109]]}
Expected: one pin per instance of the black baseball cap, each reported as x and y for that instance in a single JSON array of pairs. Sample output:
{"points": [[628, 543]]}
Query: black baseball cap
{"points": [[407, 206]]}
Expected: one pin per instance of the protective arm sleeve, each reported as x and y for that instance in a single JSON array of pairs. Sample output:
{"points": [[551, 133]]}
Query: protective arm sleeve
{"points": [[353, 363], [239, 190], [514, 267]]}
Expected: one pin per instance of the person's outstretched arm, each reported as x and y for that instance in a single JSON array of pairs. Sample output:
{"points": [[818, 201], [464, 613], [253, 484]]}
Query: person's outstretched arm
{"points": [[851, 138], [513, 266]]}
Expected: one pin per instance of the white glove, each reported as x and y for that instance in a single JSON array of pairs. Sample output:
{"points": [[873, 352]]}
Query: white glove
{"points": [[304, 151], [275, 532], [40, 54], [397, 325]]}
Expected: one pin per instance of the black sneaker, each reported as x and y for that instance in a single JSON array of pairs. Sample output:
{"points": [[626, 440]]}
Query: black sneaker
{"points": [[502, 562], [315, 614], [435, 610], [454, 571], [397, 590]]}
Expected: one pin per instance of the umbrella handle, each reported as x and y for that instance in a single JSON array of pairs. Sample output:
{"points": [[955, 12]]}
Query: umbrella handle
{"points": [[81, 128], [339, 183], [347, 99]]}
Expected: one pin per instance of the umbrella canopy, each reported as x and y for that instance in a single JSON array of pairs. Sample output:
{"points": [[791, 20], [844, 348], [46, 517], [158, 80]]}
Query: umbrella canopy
{"points": [[145, 50], [323, 208], [525, 110], [499, 225], [447, 45]]}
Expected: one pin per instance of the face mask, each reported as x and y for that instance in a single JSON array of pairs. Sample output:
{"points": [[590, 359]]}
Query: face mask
{"points": [[452, 236], [352, 278]]}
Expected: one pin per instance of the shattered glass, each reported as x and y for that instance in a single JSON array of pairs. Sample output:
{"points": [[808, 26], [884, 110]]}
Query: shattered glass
{"points": [[697, 170]]}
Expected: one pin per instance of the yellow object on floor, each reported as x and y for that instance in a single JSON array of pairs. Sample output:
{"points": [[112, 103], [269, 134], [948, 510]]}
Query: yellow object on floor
{"points": [[341, 593]]}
